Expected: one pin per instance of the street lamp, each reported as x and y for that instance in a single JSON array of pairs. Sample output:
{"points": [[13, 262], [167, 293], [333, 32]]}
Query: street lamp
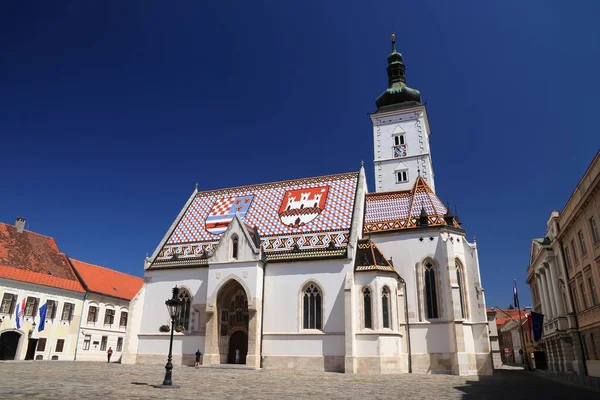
{"points": [[174, 307]]}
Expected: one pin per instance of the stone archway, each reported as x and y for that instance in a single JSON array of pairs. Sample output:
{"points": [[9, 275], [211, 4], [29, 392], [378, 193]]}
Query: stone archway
{"points": [[232, 321], [9, 344]]}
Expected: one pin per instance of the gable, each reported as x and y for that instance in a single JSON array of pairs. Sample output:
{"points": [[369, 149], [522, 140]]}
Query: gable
{"points": [[304, 214]]}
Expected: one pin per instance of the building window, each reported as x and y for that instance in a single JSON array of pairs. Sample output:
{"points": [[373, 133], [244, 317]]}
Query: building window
{"points": [[31, 306], [592, 289], [109, 316], [367, 308], [385, 306], [41, 345], [120, 344], [312, 303], [93, 314], [51, 310], [60, 343], [398, 140], [576, 304], [583, 298], [399, 147], [67, 313], [594, 229], [568, 257], [582, 243], [103, 343], [8, 303], [234, 246], [401, 176], [430, 292], [586, 354], [461, 289], [123, 319], [86, 342], [575, 256], [184, 317]]}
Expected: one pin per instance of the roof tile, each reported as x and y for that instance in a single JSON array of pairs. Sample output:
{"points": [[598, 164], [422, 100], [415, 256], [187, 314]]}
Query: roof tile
{"points": [[106, 281]]}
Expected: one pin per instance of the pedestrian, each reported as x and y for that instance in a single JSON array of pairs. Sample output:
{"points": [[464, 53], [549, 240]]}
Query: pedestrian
{"points": [[109, 353], [237, 356], [198, 357]]}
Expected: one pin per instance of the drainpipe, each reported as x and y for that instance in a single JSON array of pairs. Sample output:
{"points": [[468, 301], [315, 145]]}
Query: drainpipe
{"points": [[562, 253], [407, 328], [262, 315], [79, 328]]}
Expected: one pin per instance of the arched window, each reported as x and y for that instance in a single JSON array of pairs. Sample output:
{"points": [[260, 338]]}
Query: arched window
{"points": [[385, 306], [184, 317], [461, 289], [431, 302], [367, 308], [312, 303], [234, 246]]}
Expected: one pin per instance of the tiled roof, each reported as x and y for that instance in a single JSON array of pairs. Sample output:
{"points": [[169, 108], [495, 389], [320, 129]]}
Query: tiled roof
{"points": [[30, 257], [505, 315], [107, 281], [304, 214], [370, 258], [390, 211]]}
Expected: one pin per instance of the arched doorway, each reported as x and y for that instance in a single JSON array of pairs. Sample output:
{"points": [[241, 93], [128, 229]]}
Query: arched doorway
{"points": [[238, 341], [233, 322], [9, 343]]}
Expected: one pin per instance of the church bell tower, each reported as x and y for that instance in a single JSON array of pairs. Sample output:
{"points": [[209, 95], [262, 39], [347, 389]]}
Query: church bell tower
{"points": [[400, 132]]}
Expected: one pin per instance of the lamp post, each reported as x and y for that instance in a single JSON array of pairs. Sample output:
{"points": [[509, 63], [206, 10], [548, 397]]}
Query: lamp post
{"points": [[174, 308]]}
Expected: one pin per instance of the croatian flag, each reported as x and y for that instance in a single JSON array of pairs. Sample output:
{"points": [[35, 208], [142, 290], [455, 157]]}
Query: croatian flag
{"points": [[20, 312]]}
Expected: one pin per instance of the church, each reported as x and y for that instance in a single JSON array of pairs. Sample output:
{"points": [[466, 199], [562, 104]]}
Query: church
{"points": [[319, 274]]}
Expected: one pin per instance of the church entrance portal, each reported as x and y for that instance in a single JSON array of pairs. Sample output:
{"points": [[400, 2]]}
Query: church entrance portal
{"points": [[9, 342], [238, 348]]}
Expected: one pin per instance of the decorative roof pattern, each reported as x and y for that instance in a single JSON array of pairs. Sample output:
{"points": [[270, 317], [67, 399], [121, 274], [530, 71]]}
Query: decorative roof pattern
{"points": [[370, 258], [389, 211], [30, 257], [106, 281], [304, 214]]}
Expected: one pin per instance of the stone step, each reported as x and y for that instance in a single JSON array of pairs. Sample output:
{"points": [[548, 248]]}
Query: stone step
{"points": [[230, 366]]}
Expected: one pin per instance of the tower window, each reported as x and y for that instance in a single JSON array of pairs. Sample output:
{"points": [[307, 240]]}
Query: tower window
{"points": [[401, 176], [398, 140]]}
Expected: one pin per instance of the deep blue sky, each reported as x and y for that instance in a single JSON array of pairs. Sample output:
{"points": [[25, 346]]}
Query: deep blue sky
{"points": [[111, 111]]}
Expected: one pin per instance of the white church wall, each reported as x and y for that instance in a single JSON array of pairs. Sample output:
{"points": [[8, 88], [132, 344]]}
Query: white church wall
{"points": [[157, 344], [431, 338], [284, 283], [303, 345], [159, 288], [250, 274]]}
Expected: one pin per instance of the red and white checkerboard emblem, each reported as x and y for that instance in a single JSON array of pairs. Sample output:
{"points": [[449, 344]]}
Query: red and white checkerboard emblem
{"points": [[301, 206], [224, 210]]}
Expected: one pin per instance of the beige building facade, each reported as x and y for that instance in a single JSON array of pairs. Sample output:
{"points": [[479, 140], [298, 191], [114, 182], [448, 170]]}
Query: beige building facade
{"points": [[564, 276]]}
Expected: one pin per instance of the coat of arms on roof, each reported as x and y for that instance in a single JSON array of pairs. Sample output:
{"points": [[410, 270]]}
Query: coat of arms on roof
{"points": [[224, 210], [301, 206]]}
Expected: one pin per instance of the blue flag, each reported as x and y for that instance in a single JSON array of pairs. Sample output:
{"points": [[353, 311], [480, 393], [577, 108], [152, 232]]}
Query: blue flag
{"points": [[43, 310], [537, 322]]}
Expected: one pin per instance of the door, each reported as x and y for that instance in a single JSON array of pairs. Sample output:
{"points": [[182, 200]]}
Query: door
{"points": [[238, 341], [9, 342], [31, 349]]}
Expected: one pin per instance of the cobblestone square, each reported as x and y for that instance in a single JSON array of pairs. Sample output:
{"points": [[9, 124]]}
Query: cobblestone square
{"points": [[86, 380]]}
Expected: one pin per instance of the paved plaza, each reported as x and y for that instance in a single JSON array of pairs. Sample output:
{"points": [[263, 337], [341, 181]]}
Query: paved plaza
{"points": [[82, 380]]}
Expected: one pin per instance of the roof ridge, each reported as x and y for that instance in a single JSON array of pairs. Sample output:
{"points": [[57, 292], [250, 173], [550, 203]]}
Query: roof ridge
{"points": [[279, 182], [29, 231], [100, 266]]}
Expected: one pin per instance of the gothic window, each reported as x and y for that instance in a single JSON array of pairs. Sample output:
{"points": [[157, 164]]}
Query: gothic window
{"points": [[367, 308], [398, 140], [311, 306], [234, 246], [401, 176], [385, 306], [431, 301], [184, 317], [461, 289]]}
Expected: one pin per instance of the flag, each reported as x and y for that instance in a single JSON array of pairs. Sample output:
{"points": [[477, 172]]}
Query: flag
{"points": [[43, 310], [19, 313], [515, 296], [537, 322]]}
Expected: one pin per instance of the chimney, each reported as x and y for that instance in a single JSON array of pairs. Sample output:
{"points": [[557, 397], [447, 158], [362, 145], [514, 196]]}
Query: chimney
{"points": [[20, 224]]}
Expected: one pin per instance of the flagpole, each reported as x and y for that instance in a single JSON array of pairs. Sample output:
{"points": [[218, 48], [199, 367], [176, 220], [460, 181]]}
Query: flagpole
{"points": [[523, 349]]}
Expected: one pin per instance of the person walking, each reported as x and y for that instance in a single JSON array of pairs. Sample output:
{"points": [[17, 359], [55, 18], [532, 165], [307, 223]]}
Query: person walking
{"points": [[198, 356], [109, 353]]}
